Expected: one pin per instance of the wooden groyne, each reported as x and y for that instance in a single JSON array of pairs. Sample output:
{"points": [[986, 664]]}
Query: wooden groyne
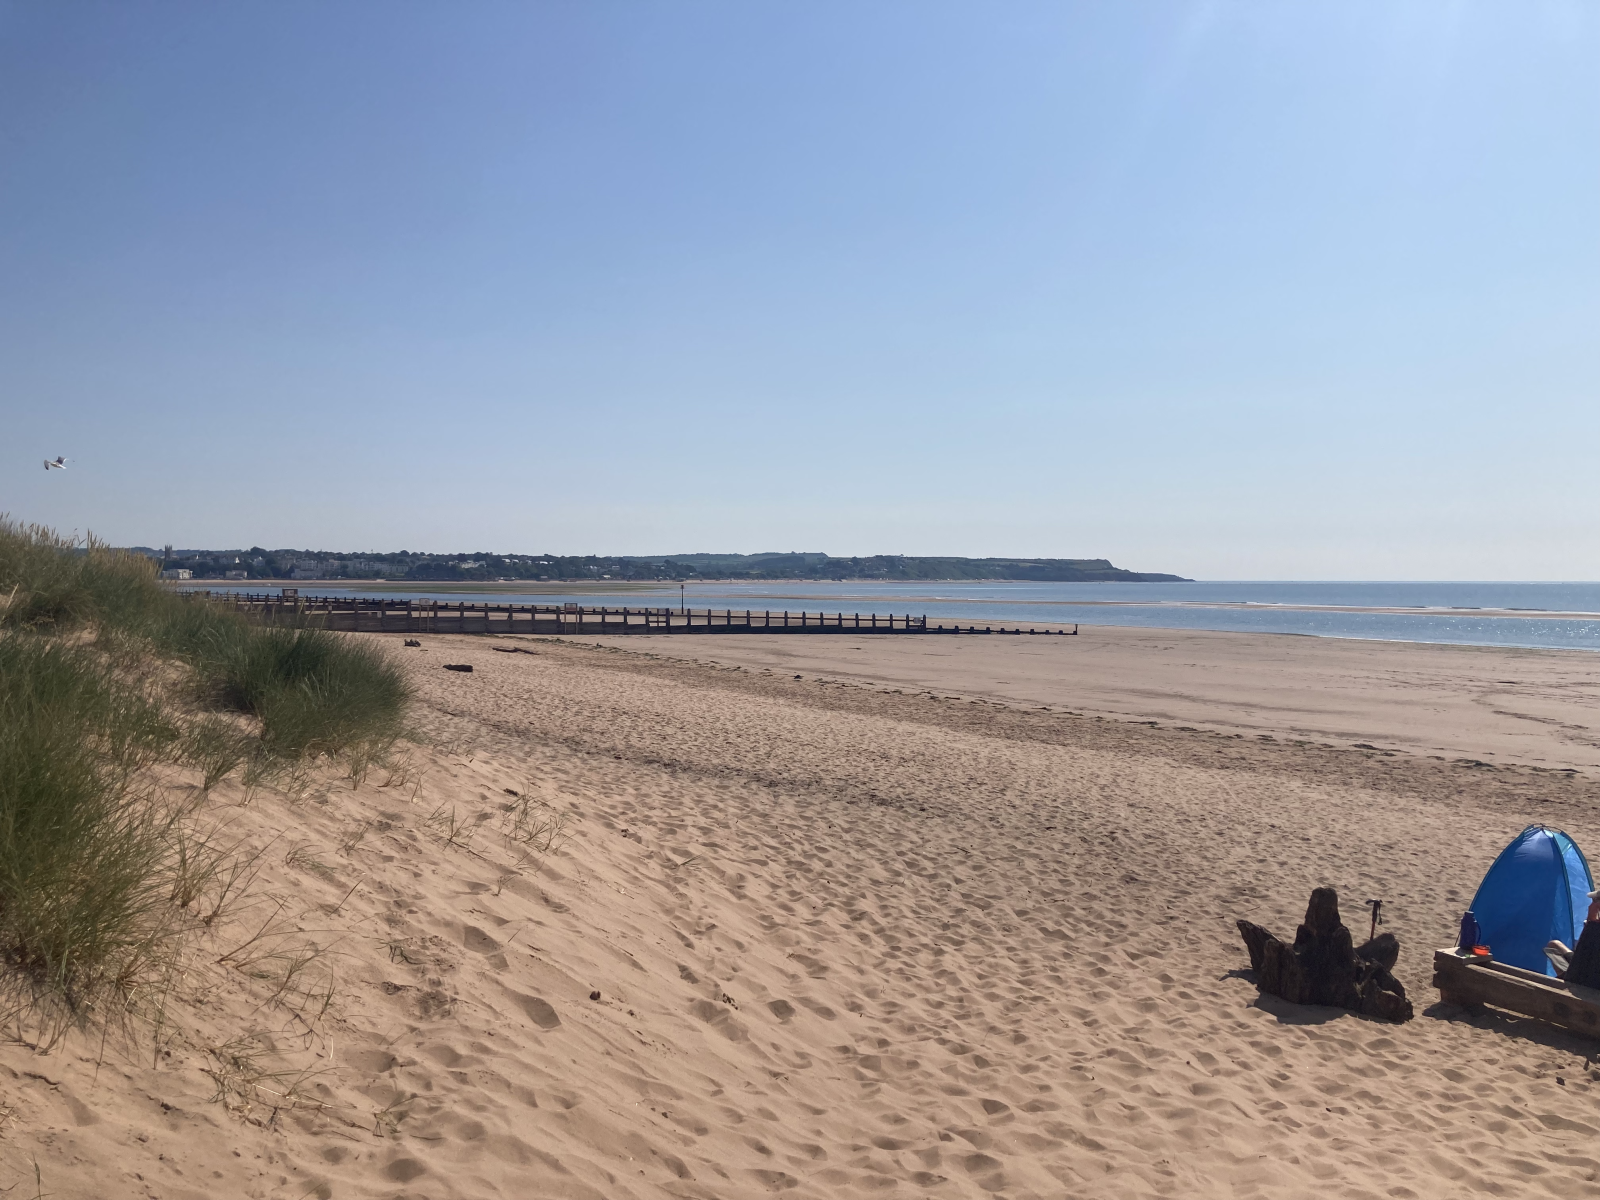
{"points": [[386, 615]]}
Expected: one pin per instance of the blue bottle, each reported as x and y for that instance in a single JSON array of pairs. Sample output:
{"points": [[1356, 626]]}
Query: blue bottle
{"points": [[1470, 931]]}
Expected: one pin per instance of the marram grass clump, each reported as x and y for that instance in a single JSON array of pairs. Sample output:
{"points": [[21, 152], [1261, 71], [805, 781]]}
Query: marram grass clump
{"points": [[106, 675], [82, 834], [313, 691]]}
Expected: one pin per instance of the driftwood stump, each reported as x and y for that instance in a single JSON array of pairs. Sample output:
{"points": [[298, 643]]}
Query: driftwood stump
{"points": [[1323, 966]]}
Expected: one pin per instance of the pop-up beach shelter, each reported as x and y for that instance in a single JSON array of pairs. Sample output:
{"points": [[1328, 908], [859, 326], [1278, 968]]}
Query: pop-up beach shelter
{"points": [[1536, 891]]}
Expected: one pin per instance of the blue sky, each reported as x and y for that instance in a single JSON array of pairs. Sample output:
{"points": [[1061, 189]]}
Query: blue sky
{"points": [[1249, 290]]}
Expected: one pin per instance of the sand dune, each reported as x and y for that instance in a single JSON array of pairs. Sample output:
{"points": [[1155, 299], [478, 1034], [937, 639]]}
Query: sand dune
{"points": [[845, 942]]}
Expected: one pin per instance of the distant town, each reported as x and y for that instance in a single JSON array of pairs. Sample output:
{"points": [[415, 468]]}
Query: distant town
{"points": [[262, 564]]}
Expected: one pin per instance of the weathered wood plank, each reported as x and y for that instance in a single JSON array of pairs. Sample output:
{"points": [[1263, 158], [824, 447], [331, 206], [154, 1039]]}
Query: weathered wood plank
{"points": [[1463, 982]]}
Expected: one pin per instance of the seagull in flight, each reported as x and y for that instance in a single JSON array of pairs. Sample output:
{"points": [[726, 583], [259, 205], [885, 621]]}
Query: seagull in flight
{"points": [[60, 463]]}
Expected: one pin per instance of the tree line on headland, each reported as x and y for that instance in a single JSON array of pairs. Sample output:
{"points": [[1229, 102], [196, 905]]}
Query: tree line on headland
{"points": [[259, 563]]}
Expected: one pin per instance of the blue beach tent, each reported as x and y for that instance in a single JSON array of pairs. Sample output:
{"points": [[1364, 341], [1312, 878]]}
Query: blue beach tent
{"points": [[1537, 890]]}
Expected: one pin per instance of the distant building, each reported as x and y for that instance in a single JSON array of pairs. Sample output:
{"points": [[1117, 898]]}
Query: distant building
{"points": [[177, 573], [304, 573], [236, 574]]}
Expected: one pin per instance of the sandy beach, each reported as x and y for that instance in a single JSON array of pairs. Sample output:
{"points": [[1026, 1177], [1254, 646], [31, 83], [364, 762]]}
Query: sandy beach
{"points": [[939, 917], [1533, 707]]}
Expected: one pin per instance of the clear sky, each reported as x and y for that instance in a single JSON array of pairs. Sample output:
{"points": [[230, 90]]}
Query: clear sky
{"points": [[1252, 290]]}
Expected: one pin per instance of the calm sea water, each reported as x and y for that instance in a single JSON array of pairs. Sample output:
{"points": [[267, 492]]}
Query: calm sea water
{"points": [[1435, 612]]}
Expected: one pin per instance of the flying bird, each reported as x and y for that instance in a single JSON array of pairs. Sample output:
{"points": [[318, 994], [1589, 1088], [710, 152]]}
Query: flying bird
{"points": [[60, 463]]}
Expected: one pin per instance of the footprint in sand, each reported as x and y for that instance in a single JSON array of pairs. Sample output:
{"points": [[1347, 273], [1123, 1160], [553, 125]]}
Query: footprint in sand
{"points": [[404, 1170], [716, 1016], [538, 1010], [369, 1062], [822, 1010]]}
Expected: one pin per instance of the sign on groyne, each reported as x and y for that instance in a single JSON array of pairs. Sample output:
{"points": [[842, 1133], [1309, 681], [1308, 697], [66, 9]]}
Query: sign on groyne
{"points": [[385, 615]]}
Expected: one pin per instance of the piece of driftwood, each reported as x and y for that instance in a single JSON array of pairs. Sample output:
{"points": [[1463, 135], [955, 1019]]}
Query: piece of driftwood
{"points": [[1324, 966], [1470, 982], [458, 667]]}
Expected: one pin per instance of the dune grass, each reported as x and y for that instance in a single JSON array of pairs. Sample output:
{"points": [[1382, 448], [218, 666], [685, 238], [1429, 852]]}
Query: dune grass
{"points": [[81, 840], [49, 582], [104, 674], [313, 692]]}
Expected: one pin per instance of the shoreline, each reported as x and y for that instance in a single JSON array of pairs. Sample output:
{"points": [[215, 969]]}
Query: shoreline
{"points": [[533, 587], [831, 603]]}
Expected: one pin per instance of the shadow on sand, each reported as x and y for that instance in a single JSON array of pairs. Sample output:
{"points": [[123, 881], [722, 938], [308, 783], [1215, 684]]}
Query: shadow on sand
{"points": [[1286, 1013], [1511, 1025]]}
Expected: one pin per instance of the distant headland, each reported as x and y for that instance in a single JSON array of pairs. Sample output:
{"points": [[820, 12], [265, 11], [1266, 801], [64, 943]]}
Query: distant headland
{"points": [[260, 563]]}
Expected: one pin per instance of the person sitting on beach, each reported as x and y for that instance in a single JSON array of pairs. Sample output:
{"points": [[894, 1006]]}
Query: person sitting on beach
{"points": [[1584, 966]]}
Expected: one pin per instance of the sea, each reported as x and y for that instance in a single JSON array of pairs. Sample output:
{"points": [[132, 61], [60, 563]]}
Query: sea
{"points": [[1563, 616]]}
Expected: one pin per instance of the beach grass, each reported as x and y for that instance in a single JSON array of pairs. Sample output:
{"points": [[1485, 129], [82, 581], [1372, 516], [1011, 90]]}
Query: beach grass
{"points": [[104, 676], [313, 691], [50, 582], [82, 838]]}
